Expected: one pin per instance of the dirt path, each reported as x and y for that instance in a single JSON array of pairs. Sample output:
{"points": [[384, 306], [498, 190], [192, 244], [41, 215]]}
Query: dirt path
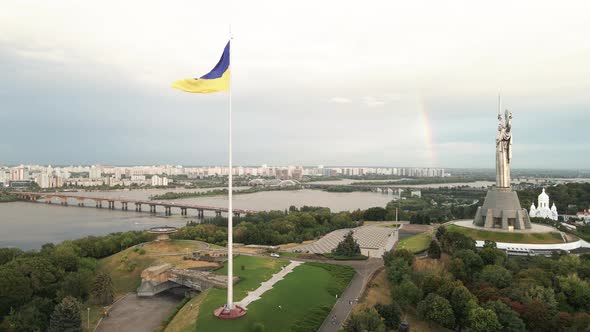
{"points": [[139, 314]]}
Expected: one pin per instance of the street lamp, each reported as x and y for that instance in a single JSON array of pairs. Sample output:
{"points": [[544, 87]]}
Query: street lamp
{"points": [[88, 318]]}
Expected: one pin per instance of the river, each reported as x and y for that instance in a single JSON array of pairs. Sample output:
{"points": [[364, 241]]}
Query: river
{"points": [[29, 225]]}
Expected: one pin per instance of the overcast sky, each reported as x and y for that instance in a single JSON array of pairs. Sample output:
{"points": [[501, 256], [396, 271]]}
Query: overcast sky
{"points": [[392, 83]]}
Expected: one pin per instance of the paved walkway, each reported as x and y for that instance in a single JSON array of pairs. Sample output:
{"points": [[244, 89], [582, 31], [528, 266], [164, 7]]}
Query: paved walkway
{"points": [[267, 285], [139, 314], [343, 307]]}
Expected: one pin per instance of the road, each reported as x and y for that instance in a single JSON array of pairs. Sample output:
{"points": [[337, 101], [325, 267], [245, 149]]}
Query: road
{"points": [[342, 308]]}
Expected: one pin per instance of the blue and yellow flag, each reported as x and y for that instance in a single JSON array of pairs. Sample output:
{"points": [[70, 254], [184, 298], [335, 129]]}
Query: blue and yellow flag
{"points": [[215, 81]]}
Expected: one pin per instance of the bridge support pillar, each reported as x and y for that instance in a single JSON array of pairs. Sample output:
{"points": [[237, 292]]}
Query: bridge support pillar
{"points": [[168, 210], [138, 207], [64, 201], [124, 206], [200, 214], [183, 211], [218, 213], [152, 209]]}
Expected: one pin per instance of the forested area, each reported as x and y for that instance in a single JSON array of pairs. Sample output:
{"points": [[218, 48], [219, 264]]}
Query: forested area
{"points": [[42, 290], [462, 288]]}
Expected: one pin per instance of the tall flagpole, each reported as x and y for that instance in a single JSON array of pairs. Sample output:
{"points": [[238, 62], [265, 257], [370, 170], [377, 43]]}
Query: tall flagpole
{"points": [[230, 212]]}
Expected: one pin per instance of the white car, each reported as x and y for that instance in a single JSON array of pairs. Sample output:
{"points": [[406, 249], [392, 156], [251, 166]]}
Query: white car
{"points": [[274, 255]]}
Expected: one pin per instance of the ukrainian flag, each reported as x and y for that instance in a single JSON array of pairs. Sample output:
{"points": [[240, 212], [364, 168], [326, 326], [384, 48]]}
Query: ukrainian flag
{"points": [[215, 81]]}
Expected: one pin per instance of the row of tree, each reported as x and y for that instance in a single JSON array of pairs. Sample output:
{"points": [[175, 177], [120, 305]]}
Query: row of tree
{"points": [[272, 227]]}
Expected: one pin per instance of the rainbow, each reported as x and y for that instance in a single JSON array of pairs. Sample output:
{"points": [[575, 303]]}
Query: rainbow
{"points": [[427, 133]]}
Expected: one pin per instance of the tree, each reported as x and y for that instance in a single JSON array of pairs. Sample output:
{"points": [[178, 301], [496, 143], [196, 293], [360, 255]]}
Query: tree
{"points": [[458, 270], [496, 275], [434, 250], [8, 254], [507, 318], [433, 280], [33, 316], [76, 284], [538, 317], [15, 289], [390, 313], [453, 241], [483, 320], [473, 263], [462, 302], [406, 294], [398, 270], [440, 231], [492, 256], [577, 292], [347, 247], [405, 254], [41, 272], [66, 256], [375, 214], [66, 317], [366, 320], [436, 309], [102, 289], [541, 294]]}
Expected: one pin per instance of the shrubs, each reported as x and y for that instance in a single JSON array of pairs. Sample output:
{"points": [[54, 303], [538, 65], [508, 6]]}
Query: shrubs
{"points": [[391, 314], [366, 320], [434, 250]]}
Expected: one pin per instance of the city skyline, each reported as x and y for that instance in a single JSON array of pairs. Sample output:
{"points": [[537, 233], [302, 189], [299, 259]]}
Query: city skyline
{"points": [[406, 84]]}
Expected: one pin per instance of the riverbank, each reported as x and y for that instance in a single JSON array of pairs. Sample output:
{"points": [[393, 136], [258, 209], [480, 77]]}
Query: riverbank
{"points": [[217, 192], [6, 197]]}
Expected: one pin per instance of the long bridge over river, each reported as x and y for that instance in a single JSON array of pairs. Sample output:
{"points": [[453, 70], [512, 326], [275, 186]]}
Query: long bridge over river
{"points": [[82, 200]]}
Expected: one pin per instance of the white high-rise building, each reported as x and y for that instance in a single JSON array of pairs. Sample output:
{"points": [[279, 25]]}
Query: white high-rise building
{"points": [[159, 181], [94, 173]]}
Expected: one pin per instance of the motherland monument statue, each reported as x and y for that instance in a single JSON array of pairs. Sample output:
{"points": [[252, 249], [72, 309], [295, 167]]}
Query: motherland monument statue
{"points": [[501, 208]]}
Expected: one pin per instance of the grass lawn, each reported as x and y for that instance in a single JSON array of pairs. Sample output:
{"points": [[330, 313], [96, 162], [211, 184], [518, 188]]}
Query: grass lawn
{"points": [[96, 313], [533, 238], [415, 243], [306, 296], [186, 318], [125, 267], [174, 246]]}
